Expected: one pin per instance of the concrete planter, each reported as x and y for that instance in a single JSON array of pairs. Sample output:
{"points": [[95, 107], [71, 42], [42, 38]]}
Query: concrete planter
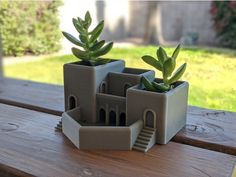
{"points": [[166, 112], [81, 83], [106, 108]]}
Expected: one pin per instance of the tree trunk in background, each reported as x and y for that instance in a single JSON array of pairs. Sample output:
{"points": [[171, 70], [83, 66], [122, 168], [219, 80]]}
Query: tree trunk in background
{"points": [[153, 27], [150, 33]]}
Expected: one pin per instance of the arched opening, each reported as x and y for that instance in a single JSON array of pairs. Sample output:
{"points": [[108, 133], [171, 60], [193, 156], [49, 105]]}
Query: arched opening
{"points": [[72, 102], [103, 87], [102, 116], [112, 118], [126, 86], [122, 121], [150, 118]]}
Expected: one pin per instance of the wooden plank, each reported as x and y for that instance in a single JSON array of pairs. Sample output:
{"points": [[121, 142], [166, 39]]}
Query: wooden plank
{"points": [[30, 144], [209, 129], [32, 95]]}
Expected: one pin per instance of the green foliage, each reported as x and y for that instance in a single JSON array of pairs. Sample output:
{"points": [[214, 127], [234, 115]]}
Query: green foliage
{"points": [[224, 18], [166, 65], [29, 27], [90, 48]]}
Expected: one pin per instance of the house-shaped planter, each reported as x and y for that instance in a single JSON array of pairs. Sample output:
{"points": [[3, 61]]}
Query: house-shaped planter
{"points": [[107, 108], [165, 112]]}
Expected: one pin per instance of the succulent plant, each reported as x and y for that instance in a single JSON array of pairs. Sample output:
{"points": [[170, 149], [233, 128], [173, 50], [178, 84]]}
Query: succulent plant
{"points": [[166, 65], [90, 47]]}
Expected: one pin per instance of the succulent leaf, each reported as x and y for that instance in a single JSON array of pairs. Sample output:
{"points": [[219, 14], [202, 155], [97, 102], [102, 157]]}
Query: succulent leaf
{"points": [[103, 50], [80, 21], [102, 60], [80, 54], [77, 26], [161, 55], [176, 52], [88, 41], [72, 39], [160, 87], [97, 45], [83, 38], [152, 61], [178, 74], [88, 18], [168, 67], [147, 84], [96, 32]]}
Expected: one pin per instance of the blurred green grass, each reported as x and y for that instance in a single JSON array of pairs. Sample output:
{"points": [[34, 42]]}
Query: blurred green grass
{"points": [[211, 72]]}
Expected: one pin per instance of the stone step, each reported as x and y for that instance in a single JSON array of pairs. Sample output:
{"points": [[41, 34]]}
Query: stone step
{"points": [[148, 131], [146, 134], [59, 125], [139, 148], [149, 128], [143, 138], [142, 141], [140, 145], [58, 128]]}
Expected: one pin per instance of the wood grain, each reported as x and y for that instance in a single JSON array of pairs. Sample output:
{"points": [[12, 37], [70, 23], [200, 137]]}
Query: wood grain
{"points": [[30, 144], [32, 95], [209, 129]]}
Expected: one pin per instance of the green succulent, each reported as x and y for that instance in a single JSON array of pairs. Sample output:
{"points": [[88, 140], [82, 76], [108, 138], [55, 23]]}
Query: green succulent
{"points": [[90, 47], [166, 65]]}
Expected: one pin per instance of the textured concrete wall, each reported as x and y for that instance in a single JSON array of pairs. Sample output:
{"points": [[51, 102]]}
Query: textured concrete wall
{"points": [[113, 138], [179, 18], [123, 19]]}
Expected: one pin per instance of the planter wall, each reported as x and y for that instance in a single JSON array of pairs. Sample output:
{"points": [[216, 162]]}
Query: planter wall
{"points": [[81, 83], [118, 83], [165, 111], [99, 137]]}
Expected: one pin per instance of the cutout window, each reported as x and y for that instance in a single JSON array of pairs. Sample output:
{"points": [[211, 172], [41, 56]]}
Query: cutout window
{"points": [[102, 116], [72, 102], [122, 121], [112, 118]]}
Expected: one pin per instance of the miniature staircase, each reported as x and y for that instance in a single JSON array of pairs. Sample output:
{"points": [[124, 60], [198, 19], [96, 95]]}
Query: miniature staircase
{"points": [[145, 140], [59, 126]]}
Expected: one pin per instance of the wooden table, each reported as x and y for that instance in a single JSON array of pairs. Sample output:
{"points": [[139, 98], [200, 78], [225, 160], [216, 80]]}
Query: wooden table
{"points": [[31, 146]]}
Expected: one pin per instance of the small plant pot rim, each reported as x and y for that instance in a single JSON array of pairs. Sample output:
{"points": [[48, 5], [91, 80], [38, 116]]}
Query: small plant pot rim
{"points": [[81, 63], [180, 84]]}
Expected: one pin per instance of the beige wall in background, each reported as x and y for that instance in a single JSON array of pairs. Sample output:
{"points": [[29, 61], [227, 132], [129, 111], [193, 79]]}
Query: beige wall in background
{"points": [[125, 19], [178, 18]]}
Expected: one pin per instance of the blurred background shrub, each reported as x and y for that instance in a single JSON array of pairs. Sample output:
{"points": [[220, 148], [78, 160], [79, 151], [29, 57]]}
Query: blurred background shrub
{"points": [[29, 27], [224, 18]]}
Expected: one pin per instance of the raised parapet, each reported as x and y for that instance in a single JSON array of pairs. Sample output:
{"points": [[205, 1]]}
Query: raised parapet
{"points": [[118, 83], [93, 136], [71, 126]]}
